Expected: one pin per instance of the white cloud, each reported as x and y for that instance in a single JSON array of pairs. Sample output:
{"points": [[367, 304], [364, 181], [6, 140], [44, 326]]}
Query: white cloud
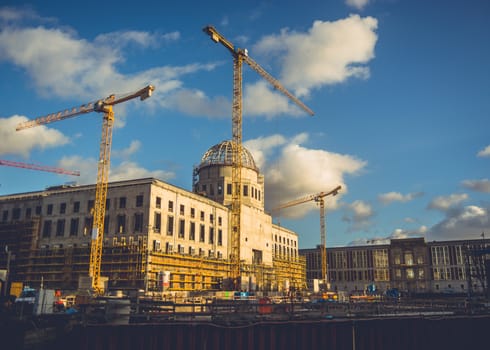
{"points": [[134, 147], [358, 214], [482, 185], [283, 162], [23, 141], [484, 152], [357, 4], [461, 223], [60, 64], [390, 197], [443, 203], [125, 170], [329, 53]]}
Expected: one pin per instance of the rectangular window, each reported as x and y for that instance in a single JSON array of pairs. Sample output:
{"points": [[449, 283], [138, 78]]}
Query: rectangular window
{"points": [[47, 229], [228, 189], [106, 224], [170, 226], [202, 216], [193, 213], [76, 207], [192, 231], [28, 213], [182, 209], [121, 223], [219, 220], [5, 215], [158, 202], [211, 235], [38, 210], [90, 205], [220, 190], [245, 190], [220, 237], [74, 227], [87, 228], [139, 201], [62, 208], [16, 214], [211, 189], [122, 202], [181, 228], [60, 228], [170, 206], [138, 222], [211, 218], [157, 224], [201, 233], [50, 209]]}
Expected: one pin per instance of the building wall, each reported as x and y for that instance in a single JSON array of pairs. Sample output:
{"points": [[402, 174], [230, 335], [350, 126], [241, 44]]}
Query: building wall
{"points": [[410, 265], [148, 222]]}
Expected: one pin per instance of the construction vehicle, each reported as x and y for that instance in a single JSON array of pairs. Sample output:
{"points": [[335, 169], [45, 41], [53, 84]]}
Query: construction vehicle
{"points": [[39, 167], [101, 106], [239, 56], [319, 198]]}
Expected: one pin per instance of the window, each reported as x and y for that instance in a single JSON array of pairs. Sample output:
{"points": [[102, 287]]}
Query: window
{"points": [[170, 226], [192, 231], [171, 206], [121, 223], [139, 200], [157, 224], [158, 202], [228, 189], [107, 204], [201, 233], [211, 235], [16, 214], [138, 222], [28, 213], [106, 224], [38, 210], [50, 209], [76, 207], [47, 229], [193, 213], [211, 218], [203, 188], [62, 208], [122, 202], [60, 228], [74, 227], [87, 228], [90, 205], [182, 209], [220, 237], [245, 190], [220, 190], [211, 190], [219, 220], [202, 216], [181, 228]]}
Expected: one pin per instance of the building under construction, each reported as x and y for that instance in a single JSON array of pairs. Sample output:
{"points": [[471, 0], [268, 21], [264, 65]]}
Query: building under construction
{"points": [[157, 237]]}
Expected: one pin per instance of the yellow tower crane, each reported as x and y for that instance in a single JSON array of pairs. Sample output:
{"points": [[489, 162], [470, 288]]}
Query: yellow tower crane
{"points": [[319, 198], [239, 56], [101, 106]]}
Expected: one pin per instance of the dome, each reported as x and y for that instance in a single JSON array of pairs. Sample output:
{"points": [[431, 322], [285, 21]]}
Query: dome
{"points": [[221, 154]]}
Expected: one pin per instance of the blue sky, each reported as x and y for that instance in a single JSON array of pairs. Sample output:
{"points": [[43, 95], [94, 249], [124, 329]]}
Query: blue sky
{"points": [[400, 91]]}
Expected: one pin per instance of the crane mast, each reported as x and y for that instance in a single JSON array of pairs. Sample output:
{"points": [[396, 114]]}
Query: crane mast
{"points": [[39, 167], [319, 198], [104, 106], [239, 56]]}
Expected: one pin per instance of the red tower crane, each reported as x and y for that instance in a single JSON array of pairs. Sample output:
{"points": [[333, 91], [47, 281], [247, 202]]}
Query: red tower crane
{"points": [[39, 167]]}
